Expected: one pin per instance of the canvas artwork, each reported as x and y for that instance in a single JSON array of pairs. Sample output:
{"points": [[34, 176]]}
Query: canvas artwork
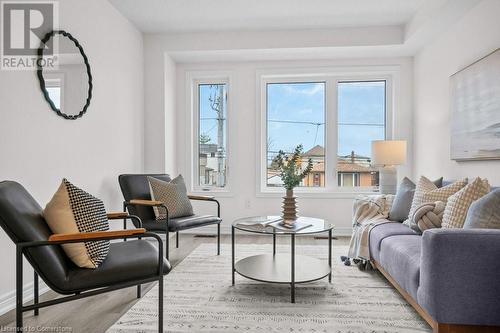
{"points": [[475, 110]]}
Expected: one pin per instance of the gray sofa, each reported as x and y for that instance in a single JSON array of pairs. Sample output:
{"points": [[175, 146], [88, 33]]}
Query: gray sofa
{"points": [[450, 276]]}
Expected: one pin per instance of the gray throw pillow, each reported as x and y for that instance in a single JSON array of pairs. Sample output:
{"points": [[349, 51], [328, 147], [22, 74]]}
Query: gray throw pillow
{"points": [[484, 213], [173, 195], [402, 202], [404, 197]]}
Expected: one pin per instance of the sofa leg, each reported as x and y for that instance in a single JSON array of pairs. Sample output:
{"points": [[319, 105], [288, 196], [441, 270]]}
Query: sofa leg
{"points": [[19, 289], [218, 239], [177, 240], [35, 289], [139, 293]]}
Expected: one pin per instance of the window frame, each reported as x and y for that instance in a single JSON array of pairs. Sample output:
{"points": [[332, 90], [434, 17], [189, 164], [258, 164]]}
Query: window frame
{"points": [[331, 77], [194, 80]]}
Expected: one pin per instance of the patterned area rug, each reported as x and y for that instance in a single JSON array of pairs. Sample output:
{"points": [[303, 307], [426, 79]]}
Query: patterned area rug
{"points": [[199, 298]]}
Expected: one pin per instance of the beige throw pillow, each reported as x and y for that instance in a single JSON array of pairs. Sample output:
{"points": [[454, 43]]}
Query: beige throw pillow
{"points": [[427, 191], [428, 216], [173, 195], [72, 210], [459, 203]]}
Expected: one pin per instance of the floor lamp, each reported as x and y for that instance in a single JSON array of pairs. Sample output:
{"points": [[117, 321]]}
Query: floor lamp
{"points": [[388, 154]]}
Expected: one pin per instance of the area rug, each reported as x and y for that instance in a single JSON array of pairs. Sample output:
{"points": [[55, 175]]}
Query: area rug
{"points": [[199, 298]]}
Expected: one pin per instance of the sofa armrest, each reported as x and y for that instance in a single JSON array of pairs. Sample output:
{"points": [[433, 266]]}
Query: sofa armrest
{"points": [[460, 276]]}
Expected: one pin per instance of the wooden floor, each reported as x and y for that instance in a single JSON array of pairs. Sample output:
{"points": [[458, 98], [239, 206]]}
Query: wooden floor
{"points": [[98, 313]]}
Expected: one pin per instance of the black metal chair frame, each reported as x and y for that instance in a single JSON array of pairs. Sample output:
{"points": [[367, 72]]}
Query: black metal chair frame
{"points": [[126, 204], [20, 251]]}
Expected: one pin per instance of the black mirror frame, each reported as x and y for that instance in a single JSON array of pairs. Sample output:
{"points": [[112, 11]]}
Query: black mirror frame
{"points": [[45, 39]]}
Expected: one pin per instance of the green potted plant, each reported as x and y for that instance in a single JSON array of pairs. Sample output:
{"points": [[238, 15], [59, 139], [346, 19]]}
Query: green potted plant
{"points": [[291, 172]]}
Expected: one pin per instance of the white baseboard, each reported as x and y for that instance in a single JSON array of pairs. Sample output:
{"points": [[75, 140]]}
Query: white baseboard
{"points": [[8, 300]]}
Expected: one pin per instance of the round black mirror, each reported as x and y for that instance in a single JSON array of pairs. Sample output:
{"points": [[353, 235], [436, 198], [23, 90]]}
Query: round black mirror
{"points": [[64, 74]]}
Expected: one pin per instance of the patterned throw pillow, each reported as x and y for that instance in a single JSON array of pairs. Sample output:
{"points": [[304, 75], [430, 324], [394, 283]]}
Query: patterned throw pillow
{"points": [[404, 197], [484, 212], [459, 203], [427, 191], [428, 216], [173, 194], [72, 210]]}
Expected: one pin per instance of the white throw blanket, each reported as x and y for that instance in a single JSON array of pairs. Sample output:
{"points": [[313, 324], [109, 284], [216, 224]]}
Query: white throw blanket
{"points": [[368, 211]]}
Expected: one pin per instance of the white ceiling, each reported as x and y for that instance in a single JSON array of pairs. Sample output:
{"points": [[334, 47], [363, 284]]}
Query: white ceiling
{"points": [[237, 30], [181, 16]]}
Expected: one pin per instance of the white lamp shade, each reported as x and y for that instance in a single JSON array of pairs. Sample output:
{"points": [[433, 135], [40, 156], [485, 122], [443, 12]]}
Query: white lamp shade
{"points": [[388, 152]]}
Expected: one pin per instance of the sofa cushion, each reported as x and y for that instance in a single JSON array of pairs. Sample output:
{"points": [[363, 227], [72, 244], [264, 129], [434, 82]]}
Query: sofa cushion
{"points": [[381, 231], [400, 257]]}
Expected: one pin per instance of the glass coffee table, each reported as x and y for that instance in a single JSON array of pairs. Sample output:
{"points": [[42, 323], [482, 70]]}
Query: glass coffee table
{"points": [[284, 268]]}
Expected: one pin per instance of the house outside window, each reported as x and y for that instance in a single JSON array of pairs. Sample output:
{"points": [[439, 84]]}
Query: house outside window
{"points": [[361, 109], [292, 108], [335, 119], [211, 109]]}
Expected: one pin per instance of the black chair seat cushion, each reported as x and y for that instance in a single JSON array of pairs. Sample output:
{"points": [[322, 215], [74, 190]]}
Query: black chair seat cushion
{"points": [[126, 261], [181, 223]]}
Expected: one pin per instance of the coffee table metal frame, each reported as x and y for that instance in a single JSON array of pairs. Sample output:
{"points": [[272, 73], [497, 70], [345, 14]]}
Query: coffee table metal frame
{"points": [[292, 282]]}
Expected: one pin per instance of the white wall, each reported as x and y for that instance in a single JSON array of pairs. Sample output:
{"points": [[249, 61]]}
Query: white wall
{"points": [[38, 147], [159, 109], [242, 129], [472, 37]]}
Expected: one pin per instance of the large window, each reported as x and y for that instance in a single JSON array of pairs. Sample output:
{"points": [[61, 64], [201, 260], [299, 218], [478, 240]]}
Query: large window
{"points": [[211, 162], [296, 116], [361, 119], [334, 119]]}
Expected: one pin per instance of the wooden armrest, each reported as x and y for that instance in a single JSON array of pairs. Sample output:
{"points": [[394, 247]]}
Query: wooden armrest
{"points": [[117, 215], [200, 197], [145, 202], [86, 235]]}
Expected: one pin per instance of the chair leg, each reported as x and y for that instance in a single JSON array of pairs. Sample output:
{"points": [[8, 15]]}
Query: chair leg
{"points": [[167, 245], [139, 294], [160, 304], [19, 290], [35, 289], [124, 220], [218, 239], [177, 240]]}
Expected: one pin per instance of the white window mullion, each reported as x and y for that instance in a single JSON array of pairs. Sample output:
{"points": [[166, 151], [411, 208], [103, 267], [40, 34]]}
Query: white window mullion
{"points": [[331, 134]]}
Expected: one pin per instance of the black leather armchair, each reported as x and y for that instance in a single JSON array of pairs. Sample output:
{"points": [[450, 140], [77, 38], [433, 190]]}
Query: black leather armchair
{"points": [[135, 189], [128, 264]]}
